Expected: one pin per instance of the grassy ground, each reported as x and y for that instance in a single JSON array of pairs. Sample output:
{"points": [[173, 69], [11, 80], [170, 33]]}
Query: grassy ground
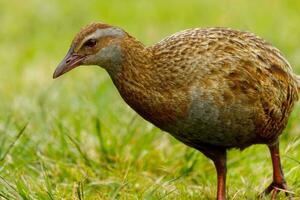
{"points": [[74, 138]]}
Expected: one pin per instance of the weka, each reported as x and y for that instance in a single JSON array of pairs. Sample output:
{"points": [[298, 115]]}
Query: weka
{"points": [[213, 89]]}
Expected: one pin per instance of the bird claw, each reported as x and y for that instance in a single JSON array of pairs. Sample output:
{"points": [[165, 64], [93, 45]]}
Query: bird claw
{"points": [[275, 188]]}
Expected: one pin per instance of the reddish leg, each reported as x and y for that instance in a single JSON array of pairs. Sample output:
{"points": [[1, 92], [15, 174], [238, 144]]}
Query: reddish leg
{"points": [[278, 177], [220, 165], [219, 159]]}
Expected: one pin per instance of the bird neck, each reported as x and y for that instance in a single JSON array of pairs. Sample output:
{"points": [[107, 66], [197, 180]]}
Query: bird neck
{"points": [[135, 71], [140, 85]]}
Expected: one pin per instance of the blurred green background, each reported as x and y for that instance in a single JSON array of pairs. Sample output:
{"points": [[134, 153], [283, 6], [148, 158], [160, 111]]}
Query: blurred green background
{"points": [[83, 142]]}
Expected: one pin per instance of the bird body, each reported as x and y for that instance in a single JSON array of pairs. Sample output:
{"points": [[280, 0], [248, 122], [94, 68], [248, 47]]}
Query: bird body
{"points": [[210, 86], [213, 89]]}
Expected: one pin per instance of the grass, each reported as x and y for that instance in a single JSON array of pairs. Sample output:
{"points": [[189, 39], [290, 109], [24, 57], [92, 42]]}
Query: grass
{"points": [[74, 138]]}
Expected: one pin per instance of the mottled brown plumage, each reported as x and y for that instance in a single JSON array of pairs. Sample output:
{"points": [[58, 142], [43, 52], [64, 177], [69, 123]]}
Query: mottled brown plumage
{"points": [[213, 89]]}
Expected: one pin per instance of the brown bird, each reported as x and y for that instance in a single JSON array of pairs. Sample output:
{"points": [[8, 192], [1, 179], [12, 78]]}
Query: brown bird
{"points": [[213, 89]]}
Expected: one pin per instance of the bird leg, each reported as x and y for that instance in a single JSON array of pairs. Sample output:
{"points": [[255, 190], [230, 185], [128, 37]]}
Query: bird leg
{"points": [[220, 165], [219, 159], [278, 183]]}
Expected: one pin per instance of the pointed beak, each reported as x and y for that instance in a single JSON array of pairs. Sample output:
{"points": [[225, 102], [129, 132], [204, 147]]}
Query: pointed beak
{"points": [[70, 61]]}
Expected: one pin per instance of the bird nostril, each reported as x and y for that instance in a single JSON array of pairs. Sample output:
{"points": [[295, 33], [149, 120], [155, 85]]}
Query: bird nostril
{"points": [[69, 60]]}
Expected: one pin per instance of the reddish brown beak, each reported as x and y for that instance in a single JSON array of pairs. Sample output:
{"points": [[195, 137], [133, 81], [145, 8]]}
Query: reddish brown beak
{"points": [[70, 61]]}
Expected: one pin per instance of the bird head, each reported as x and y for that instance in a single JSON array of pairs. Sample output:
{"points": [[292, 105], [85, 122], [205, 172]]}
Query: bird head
{"points": [[96, 44]]}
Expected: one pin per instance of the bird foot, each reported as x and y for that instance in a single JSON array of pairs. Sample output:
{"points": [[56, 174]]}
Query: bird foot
{"points": [[274, 189]]}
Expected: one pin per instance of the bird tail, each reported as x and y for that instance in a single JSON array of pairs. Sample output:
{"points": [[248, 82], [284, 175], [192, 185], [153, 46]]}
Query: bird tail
{"points": [[298, 82]]}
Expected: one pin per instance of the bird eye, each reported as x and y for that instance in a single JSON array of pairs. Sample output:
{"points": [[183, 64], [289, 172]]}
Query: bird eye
{"points": [[90, 43]]}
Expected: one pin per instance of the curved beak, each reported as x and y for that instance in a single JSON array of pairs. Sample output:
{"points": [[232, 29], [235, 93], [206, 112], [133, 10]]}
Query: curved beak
{"points": [[70, 61]]}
